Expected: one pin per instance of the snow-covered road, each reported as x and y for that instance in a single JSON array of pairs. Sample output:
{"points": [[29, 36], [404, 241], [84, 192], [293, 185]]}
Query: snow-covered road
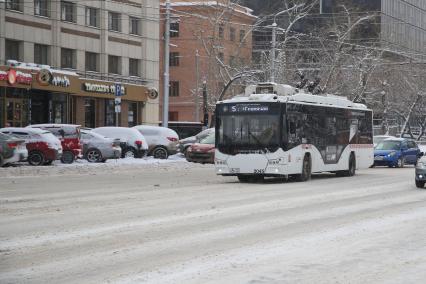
{"points": [[179, 223]]}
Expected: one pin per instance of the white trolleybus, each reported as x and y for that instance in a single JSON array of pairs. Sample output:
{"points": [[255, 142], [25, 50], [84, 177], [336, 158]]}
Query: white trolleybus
{"points": [[277, 130]]}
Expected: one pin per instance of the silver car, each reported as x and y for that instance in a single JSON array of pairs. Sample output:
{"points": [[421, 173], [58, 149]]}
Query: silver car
{"points": [[162, 141], [97, 148]]}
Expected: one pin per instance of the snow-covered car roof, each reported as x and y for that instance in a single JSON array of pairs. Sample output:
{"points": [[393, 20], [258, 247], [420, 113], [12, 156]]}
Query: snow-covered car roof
{"points": [[159, 129], [27, 130]]}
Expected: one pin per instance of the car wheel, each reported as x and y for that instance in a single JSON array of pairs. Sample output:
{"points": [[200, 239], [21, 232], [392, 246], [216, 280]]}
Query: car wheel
{"points": [[48, 163], [36, 159], [420, 184], [129, 153], [306, 170], [93, 155], [160, 153], [400, 163], [185, 151], [67, 157], [1, 161]]}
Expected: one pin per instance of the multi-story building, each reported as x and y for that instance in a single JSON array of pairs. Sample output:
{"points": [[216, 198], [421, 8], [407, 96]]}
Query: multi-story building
{"points": [[61, 61], [203, 34]]}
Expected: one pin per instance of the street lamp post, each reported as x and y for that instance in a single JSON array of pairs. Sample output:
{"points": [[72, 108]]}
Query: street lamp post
{"points": [[166, 67]]}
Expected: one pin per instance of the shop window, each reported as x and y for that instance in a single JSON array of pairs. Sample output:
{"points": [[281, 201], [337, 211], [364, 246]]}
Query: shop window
{"points": [[174, 59], [92, 17], [232, 34], [68, 58], [174, 30], [15, 5], [68, 12], [109, 113], [114, 22], [221, 31], [13, 50], [242, 36], [174, 89], [134, 67], [114, 64], [41, 54], [173, 116], [135, 26], [59, 108], [90, 114], [92, 61], [41, 8], [132, 114]]}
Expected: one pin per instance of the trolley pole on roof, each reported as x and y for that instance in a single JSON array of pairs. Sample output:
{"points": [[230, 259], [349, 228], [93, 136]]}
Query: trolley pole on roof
{"points": [[166, 66]]}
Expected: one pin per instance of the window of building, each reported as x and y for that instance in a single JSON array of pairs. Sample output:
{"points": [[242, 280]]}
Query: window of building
{"points": [[221, 31], [114, 22], [132, 114], [134, 67], [135, 26], [173, 116], [41, 54], [89, 113], [174, 59], [174, 89], [41, 8], [68, 58], [242, 35], [109, 113], [68, 12], [13, 50], [174, 30], [92, 17], [92, 61], [114, 64], [232, 34], [15, 5]]}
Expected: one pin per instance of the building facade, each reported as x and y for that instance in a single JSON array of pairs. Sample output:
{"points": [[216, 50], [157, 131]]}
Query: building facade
{"points": [[202, 34], [86, 49]]}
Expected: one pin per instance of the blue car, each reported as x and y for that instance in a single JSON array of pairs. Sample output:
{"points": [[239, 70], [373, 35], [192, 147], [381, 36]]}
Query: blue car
{"points": [[396, 152]]}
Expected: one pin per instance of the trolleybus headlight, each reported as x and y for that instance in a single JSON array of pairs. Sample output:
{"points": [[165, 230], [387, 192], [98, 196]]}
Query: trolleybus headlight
{"points": [[274, 161], [219, 162]]}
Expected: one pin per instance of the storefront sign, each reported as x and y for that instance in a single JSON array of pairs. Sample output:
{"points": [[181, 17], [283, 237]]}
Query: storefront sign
{"points": [[13, 77], [46, 78], [61, 81], [104, 89]]}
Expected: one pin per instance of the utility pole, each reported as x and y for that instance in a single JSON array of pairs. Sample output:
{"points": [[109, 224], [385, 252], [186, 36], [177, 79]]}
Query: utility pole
{"points": [[197, 87], [166, 66], [205, 111], [274, 43]]}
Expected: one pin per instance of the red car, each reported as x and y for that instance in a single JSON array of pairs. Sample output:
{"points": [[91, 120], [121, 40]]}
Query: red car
{"points": [[43, 147], [203, 151], [69, 134]]}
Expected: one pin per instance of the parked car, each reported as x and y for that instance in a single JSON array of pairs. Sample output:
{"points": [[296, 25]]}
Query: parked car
{"points": [[185, 143], [97, 148], [132, 142], [421, 171], [396, 152], [202, 152], [162, 141], [379, 138], [12, 150], [43, 147], [69, 135]]}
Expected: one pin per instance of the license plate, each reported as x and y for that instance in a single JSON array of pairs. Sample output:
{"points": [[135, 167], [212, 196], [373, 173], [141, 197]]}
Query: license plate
{"points": [[378, 158], [234, 170]]}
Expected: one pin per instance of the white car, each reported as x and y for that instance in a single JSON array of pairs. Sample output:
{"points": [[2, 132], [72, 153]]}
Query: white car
{"points": [[132, 142], [162, 141]]}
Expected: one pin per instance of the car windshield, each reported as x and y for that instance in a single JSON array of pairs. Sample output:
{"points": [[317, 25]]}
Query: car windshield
{"points": [[208, 140], [389, 145], [378, 139]]}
